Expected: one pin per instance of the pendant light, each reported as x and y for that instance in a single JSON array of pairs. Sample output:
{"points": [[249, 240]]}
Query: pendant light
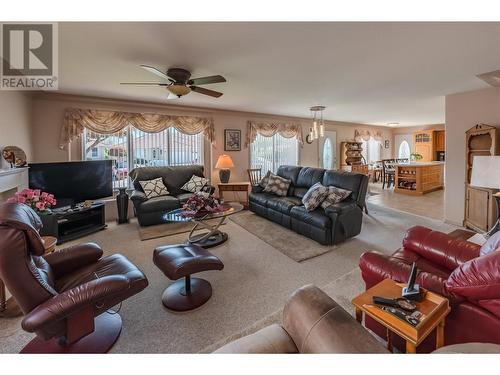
{"points": [[318, 126]]}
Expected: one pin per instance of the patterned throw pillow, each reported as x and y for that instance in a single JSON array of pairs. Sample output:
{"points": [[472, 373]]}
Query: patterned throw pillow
{"points": [[195, 184], [154, 188], [335, 195], [277, 185], [315, 196], [265, 180]]}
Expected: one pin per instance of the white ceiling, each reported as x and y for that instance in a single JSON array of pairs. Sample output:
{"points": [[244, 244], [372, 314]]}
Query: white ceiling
{"points": [[373, 73]]}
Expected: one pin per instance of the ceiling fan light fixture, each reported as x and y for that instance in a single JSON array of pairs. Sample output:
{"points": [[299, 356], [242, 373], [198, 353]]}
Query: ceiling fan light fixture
{"points": [[179, 89]]}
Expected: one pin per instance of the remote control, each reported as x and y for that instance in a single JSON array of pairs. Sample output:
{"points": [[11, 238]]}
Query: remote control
{"points": [[402, 315]]}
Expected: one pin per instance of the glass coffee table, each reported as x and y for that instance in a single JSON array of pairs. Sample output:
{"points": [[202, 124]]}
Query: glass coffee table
{"points": [[214, 236]]}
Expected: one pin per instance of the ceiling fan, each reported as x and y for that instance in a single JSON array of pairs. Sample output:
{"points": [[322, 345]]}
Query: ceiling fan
{"points": [[180, 82]]}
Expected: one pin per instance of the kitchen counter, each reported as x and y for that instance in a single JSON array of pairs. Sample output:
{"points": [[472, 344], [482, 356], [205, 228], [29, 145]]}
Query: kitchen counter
{"points": [[418, 178]]}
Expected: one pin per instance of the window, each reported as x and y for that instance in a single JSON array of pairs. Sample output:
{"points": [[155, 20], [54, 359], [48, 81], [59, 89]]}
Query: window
{"points": [[404, 150], [371, 150], [268, 153], [131, 148]]}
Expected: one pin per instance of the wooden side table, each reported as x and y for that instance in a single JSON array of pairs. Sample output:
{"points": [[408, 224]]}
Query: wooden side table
{"points": [[433, 306], [235, 187]]}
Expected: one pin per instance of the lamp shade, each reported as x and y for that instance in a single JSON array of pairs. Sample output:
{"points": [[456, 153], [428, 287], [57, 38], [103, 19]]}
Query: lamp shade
{"points": [[224, 162], [486, 172]]}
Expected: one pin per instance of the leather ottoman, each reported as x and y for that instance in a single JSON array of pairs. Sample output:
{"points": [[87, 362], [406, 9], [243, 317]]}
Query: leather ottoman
{"points": [[181, 261]]}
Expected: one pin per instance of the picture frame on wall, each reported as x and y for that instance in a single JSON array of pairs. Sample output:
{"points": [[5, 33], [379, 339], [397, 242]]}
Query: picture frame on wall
{"points": [[232, 140], [386, 143]]}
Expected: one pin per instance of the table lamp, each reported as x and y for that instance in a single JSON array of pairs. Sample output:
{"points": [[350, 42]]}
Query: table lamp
{"points": [[486, 174], [224, 163]]}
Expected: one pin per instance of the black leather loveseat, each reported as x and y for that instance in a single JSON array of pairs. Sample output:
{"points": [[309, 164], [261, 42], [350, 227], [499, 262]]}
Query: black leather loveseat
{"points": [[326, 226], [151, 211]]}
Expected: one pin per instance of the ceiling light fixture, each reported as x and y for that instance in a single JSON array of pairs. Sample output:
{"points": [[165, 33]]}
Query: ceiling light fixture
{"points": [[393, 124], [318, 125], [179, 89]]}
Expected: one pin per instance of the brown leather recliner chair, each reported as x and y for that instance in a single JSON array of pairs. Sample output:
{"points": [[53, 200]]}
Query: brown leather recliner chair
{"points": [[64, 295]]}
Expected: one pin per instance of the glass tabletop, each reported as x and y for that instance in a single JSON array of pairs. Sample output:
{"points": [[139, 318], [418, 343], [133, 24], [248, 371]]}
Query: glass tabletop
{"points": [[229, 209]]}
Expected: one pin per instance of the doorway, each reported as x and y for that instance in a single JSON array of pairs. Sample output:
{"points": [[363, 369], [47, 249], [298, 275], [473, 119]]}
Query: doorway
{"points": [[328, 150]]}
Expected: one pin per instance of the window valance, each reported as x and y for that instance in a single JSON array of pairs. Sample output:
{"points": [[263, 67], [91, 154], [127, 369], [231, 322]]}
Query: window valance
{"points": [[365, 135], [268, 129], [108, 122]]}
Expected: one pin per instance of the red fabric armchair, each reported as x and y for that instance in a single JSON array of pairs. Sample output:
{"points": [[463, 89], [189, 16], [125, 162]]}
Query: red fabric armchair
{"points": [[449, 267]]}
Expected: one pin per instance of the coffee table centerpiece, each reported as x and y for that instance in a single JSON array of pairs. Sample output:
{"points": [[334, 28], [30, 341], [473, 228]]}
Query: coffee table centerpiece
{"points": [[203, 209]]}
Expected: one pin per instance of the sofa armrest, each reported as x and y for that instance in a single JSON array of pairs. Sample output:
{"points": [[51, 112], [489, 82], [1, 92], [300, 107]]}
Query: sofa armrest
{"points": [[257, 189], [138, 197], [341, 207], [272, 339], [71, 258], [73, 300], [439, 248], [376, 267]]}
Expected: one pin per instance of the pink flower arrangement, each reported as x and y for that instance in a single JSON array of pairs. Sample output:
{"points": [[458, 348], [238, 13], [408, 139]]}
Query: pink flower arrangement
{"points": [[200, 204], [36, 199]]}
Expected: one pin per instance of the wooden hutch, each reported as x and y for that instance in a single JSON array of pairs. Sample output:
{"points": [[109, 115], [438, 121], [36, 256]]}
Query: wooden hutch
{"points": [[480, 207], [351, 157]]}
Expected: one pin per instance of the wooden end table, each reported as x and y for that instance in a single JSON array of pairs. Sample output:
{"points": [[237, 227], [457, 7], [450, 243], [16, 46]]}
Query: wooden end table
{"points": [[433, 306], [235, 187]]}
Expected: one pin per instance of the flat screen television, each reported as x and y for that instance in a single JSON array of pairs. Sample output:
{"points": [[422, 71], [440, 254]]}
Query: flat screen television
{"points": [[73, 182]]}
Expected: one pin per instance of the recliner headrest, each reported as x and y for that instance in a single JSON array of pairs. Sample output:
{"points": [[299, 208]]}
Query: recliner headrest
{"points": [[23, 218]]}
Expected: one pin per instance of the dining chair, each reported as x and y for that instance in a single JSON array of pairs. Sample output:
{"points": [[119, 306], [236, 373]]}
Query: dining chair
{"points": [[388, 172], [254, 175]]}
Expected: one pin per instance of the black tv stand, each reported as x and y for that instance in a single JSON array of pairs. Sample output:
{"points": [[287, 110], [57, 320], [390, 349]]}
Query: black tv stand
{"points": [[67, 225]]}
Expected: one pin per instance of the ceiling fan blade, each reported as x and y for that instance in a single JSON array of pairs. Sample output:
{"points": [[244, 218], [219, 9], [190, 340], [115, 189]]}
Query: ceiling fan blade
{"points": [[159, 73], [206, 80], [208, 92], [144, 83]]}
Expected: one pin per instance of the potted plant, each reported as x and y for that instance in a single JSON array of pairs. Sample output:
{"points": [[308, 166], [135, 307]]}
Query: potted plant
{"points": [[415, 157], [201, 204], [38, 200]]}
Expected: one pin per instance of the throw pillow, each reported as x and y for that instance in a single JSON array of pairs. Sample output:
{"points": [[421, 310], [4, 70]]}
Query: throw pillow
{"points": [[195, 184], [491, 244], [265, 180], [154, 188], [315, 196], [277, 185], [335, 195]]}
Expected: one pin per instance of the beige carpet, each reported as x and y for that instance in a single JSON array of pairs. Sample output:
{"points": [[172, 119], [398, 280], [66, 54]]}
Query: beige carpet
{"points": [[280, 237], [168, 229], [255, 282]]}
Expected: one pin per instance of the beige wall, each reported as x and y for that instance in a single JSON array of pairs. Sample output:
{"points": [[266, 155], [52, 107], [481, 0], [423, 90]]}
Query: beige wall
{"points": [[48, 110], [463, 111], [15, 122]]}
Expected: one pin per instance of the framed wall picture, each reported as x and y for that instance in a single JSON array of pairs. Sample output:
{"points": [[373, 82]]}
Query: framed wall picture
{"points": [[232, 140], [386, 143]]}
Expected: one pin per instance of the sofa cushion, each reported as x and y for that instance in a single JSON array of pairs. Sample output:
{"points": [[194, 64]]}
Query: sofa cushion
{"points": [[346, 180], [164, 203], [335, 195], [174, 177], [195, 184], [284, 204], [316, 218], [154, 188], [306, 178], [277, 185], [315, 196], [290, 172], [261, 198]]}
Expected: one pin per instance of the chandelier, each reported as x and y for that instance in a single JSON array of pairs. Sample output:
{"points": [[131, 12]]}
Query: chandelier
{"points": [[318, 126]]}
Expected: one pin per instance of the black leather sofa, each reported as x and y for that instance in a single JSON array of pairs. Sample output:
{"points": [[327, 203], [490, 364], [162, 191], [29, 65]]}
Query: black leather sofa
{"points": [[326, 226], [151, 211]]}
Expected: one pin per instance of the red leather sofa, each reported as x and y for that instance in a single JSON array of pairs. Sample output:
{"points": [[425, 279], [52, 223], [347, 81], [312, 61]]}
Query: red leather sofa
{"points": [[449, 267]]}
